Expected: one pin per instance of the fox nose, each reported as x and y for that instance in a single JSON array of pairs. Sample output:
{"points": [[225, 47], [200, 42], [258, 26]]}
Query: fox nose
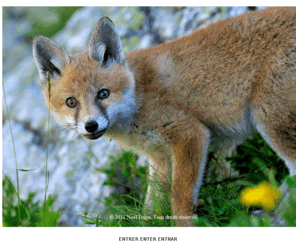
{"points": [[91, 126]]}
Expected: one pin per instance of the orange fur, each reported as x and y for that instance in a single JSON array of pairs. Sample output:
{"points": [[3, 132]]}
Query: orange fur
{"points": [[216, 85]]}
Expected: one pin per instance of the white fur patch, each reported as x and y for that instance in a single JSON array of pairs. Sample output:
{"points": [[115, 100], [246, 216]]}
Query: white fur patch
{"points": [[62, 121], [200, 176], [58, 62], [81, 128], [103, 122], [121, 114]]}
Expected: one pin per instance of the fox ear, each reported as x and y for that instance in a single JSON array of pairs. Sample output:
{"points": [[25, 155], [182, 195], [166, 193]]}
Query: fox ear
{"points": [[49, 56], [105, 45]]}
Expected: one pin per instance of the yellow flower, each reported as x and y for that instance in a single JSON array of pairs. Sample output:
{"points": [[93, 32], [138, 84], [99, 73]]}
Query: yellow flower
{"points": [[264, 195], [146, 218], [158, 212]]}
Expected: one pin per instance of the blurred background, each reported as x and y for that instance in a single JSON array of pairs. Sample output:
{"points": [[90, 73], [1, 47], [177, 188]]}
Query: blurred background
{"points": [[75, 182]]}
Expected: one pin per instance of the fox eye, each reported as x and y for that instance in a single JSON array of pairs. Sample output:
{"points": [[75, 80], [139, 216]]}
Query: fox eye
{"points": [[71, 102], [103, 94]]}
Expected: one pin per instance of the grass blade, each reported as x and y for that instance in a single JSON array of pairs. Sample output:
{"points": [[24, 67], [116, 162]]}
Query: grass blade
{"points": [[23, 205], [16, 168]]}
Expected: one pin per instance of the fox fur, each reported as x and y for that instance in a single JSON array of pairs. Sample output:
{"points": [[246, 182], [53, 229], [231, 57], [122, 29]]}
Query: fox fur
{"points": [[169, 102]]}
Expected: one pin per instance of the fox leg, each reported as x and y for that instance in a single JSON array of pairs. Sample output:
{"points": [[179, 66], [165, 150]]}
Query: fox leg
{"points": [[160, 171], [189, 149], [159, 175]]}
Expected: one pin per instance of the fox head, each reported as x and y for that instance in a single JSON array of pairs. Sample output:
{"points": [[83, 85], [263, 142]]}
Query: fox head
{"points": [[91, 91]]}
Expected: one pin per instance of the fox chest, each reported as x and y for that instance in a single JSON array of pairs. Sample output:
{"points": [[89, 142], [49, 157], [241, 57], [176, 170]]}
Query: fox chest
{"points": [[143, 140]]}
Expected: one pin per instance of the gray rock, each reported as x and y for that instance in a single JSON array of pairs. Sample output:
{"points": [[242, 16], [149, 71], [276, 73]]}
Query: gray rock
{"points": [[164, 22]]}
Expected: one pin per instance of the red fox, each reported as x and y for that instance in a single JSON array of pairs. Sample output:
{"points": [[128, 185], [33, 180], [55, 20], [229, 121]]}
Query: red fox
{"points": [[169, 102]]}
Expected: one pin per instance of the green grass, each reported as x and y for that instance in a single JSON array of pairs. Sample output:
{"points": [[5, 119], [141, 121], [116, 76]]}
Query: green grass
{"points": [[126, 178], [43, 20], [125, 205], [219, 203], [31, 211], [48, 20], [219, 199]]}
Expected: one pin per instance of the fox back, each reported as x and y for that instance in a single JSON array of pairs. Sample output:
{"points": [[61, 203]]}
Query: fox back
{"points": [[169, 102]]}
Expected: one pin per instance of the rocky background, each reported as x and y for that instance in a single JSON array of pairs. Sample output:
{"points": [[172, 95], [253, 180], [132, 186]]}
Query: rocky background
{"points": [[73, 162]]}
